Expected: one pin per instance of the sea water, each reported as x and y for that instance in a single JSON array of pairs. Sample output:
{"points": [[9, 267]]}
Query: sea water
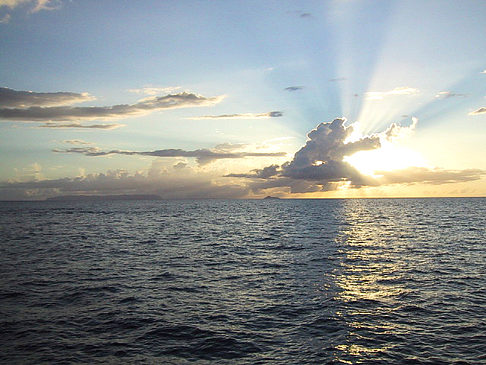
{"points": [[243, 281]]}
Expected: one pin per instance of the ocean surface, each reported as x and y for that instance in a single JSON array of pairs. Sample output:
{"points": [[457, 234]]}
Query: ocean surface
{"points": [[243, 281]]}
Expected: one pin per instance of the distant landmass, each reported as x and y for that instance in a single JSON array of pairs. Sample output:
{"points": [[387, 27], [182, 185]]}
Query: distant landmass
{"points": [[104, 197], [271, 198]]}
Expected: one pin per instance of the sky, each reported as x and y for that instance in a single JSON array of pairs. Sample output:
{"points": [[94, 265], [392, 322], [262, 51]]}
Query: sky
{"points": [[242, 99]]}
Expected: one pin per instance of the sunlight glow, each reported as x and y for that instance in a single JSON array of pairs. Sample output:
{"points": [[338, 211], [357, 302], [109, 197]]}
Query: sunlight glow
{"points": [[389, 157]]}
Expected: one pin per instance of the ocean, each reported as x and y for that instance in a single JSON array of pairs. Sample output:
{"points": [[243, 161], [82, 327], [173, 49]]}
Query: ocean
{"points": [[243, 281]]}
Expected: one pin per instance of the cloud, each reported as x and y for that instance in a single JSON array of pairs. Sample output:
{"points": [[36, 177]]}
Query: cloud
{"points": [[34, 112], [395, 131], [274, 114], [320, 166], [203, 156], [380, 95], [294, 88], [176, 182], [82, 126], [483, 72], [338, 79], [10, 98], [478, 112], [34, 6], [76, 142], [46, 5], [448, 94], [414, 175], [152, 90]]}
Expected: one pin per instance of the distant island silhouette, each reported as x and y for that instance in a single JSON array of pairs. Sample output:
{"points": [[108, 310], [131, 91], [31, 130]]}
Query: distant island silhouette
{"points": [[268, 197], [104, 197]]}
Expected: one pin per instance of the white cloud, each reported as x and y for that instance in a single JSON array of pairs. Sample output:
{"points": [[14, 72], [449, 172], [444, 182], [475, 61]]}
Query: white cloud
{"points": [[152, 90], [395, 131], [380, 95]]}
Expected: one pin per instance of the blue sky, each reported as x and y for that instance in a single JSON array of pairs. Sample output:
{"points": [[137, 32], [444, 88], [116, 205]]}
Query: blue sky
{"points": [[265, 74]]}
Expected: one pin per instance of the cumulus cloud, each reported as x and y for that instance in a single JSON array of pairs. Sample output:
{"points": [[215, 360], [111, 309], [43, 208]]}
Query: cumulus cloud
{"points": [[10, 98], [274, 114], [203, 156], [478, 111], [294, 88], [380, 95], [396, 131], [177, 182], [35, 112], [82, 126], [320, 164]]}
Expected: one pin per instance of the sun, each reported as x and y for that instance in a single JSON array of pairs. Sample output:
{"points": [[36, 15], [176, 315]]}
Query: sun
{"points": [[390, 156]]}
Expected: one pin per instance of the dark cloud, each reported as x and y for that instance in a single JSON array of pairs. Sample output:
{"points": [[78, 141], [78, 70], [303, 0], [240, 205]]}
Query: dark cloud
{"points": [[69, 113], [319, 165], [10, 98], [478, 112], [294, 88], [274, 114], [203, 156]]}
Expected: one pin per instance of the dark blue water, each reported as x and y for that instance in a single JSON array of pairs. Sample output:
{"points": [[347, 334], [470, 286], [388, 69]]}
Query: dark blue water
{"points": [[251, 282]]}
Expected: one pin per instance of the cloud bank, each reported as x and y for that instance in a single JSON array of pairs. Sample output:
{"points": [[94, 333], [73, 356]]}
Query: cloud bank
{"points": [[176, 182]]}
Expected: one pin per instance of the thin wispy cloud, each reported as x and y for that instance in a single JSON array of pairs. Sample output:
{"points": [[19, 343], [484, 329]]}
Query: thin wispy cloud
{"points": [[338, 79], [380, 95], [478, 111], [294, 88], [76, 142], [81, 126], [448, 94], [203, 156], [27, 106], [274, 114], [152, 90]]}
